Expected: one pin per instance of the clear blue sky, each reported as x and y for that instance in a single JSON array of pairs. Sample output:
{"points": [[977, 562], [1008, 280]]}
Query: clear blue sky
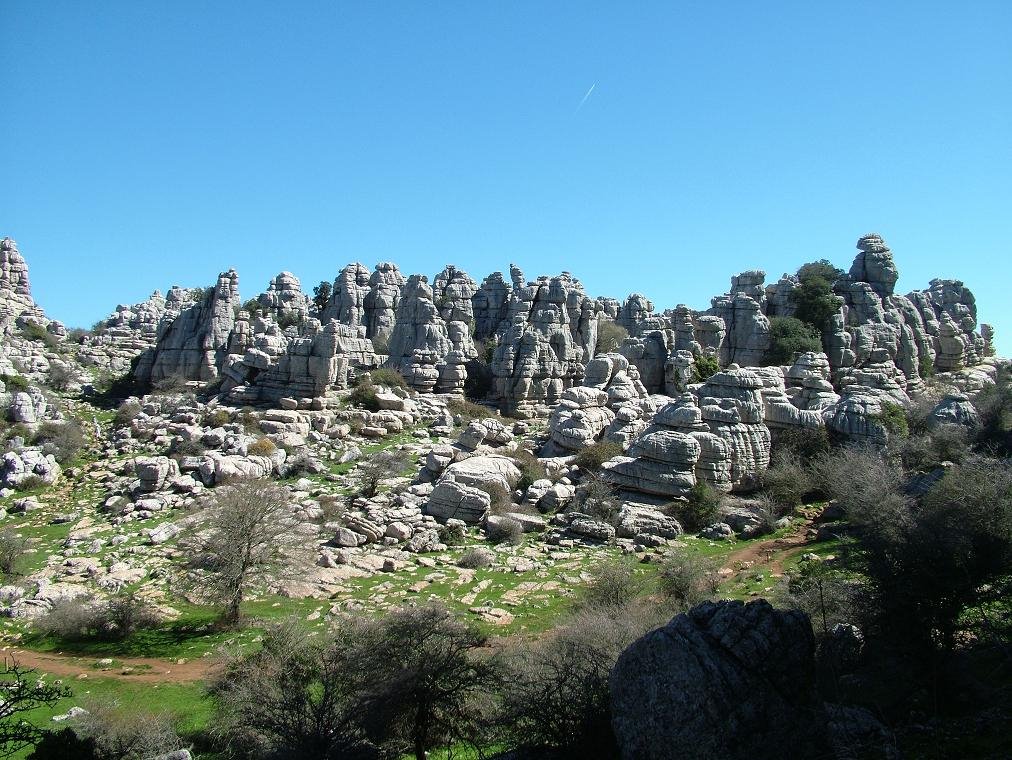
{"points": [[145, 144]]}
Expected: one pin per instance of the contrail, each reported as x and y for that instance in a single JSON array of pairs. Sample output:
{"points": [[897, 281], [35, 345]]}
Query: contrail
{"points": [[585, 97]]}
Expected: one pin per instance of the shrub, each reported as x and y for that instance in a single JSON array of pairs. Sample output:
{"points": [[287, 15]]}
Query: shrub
{"points": [[169, 385], [389, 377], [217, 418], [555, 693], [32, 483], [894, 419], [994, 406], [823, 593], [858, 479], [813, 299], [252, 306], [71, 619], [592, 457], [475, 558], [452, 534], [613, 586], [768, 512], [288, 319], [687, 580], [364, 395], [127, 412], [187, 447], [786, 480], [390, 463], [500, 499], [801, 443], [64, 440], [14, 383], [479, 382], [599, 500], [127, 734], [12, 549], [504, 530], [126, 613], [60, 377], [530, 467], [39, 334], [609, 336], [261, 447], [704, 367], [700, 508], [468, 410], [790, 336], [321, 295], [926, 366]]}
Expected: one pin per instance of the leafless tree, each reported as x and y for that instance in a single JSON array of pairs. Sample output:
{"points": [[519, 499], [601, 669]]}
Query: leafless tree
{"points": [[247, 537], [21, 692]]}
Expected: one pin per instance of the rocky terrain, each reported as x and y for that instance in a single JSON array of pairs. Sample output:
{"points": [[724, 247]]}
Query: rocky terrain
{"points": [[482, 444]]}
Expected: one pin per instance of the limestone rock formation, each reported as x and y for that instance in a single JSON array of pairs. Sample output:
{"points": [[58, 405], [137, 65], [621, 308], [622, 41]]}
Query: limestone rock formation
{"points": [[490, 306], [721, 439], [17, 307], [551, 334], [452, 292], [420, 345], [382, 301], [746, 327], [284, 300], [726, 679], [347, 300]]}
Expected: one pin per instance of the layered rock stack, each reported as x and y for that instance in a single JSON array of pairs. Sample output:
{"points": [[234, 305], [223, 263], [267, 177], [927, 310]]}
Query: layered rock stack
{"points": [[17, 307], [382, 301], [551, 335], [284, 300], [453, 292], [347, 300], [746, 328], [420, 345], [194, 344], [490, 305]]}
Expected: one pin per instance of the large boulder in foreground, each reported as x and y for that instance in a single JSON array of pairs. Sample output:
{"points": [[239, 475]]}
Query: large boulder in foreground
{"points": [[726, 679]]}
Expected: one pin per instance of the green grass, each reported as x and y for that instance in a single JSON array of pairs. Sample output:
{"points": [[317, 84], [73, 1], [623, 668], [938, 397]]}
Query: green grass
{"points": [[188, 703]]}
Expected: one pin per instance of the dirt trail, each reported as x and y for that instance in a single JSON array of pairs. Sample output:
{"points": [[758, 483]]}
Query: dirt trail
{"points": [[144, 669], [773, 553]]}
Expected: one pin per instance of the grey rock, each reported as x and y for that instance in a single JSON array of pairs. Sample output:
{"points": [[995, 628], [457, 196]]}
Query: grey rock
{"points": [[727, 679]]}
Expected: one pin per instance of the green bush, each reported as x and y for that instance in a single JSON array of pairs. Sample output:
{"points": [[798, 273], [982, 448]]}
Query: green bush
{"points": [[479, 382], [39, 334], [530, 467], [926, 366], [686, 579], [217, 418], [389, 377], [614, 585], [786, 480], [14, 383], [894, 419], [64, 440], [500, 500], [364, 394], [609, 336], [790, 336], [504, 530], [127, 412], [475, 558], [289, 319], [814, 302], [169, 385], [461, 407], [261, 447], [592, 457], [321, 295], [801, 443], [12, 549], [705, 367], [700, 509], [252, 306]]}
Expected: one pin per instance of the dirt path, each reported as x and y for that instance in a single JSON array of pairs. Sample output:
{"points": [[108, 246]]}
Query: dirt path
{"points": [[138, 669], [773, 553]]}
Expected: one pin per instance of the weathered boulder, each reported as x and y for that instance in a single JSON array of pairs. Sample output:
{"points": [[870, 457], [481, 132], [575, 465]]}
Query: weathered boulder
{"points": [[726, 679]]}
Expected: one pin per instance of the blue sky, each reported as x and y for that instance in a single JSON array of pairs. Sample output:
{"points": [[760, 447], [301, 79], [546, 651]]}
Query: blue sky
{"points": [[147, 144]]}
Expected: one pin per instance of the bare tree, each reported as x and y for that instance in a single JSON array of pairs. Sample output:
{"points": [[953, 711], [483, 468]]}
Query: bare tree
{"points": [[248, 537], [21, 692], [386, 464]]}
